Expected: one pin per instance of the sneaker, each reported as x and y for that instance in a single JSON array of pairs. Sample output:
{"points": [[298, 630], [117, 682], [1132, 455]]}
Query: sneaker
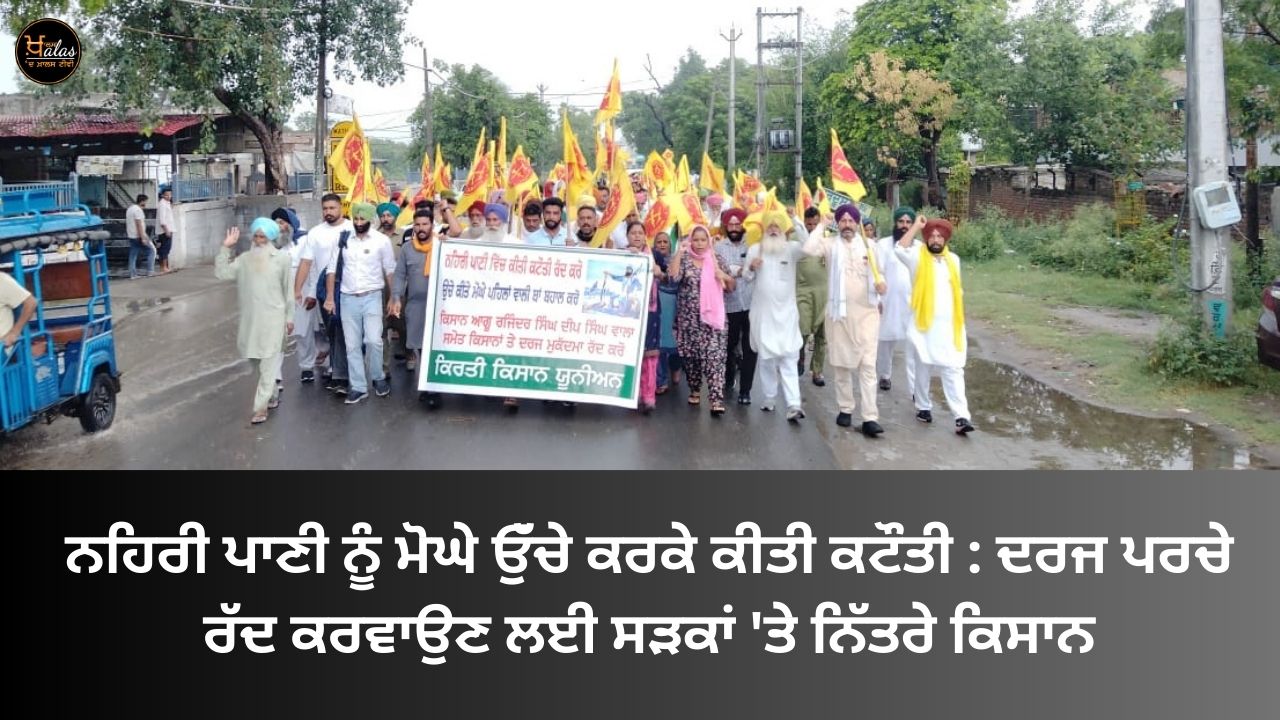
{"points": [[819, 380], [341, 387], [767, 406], [963, 426], [381, 388], [871, 428], [844, 420], [355, 396], [308, 376], [924, 416], [744, 398], [794, 415], [886, 384]]}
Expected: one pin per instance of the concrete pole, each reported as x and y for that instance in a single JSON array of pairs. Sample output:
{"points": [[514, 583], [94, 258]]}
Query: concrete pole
{"points": [[799, 101], [319, 186], [732, 37], [1207, 159], [760, 109]]}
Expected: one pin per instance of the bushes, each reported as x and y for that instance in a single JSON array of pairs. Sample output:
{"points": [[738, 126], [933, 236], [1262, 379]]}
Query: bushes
{"points": [[1186, 351]]}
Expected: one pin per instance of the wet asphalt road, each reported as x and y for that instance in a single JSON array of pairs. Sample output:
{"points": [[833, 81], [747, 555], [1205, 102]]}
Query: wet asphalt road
{"points": [[186, 404]]}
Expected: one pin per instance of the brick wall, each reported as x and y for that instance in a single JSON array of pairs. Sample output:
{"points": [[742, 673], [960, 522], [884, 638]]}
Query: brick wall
{"points": [[1059, 194]]}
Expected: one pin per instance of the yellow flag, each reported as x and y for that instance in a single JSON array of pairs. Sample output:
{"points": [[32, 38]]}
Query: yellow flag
{"points": [[683, 180], [824, 203], [622, 202], [804, 198], [843, 177], [711, 178], [602, 155], [611, 105], [580, 176], [348, 156], [479, 181], [381, 193], [362, 187], [521, 179], [475, 157]]}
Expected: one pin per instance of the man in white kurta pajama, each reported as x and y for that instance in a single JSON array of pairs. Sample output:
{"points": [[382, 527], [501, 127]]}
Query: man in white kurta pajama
{"points": [[775, 318], [853, 316], [266, 304], [896, 304], [937, 333]]}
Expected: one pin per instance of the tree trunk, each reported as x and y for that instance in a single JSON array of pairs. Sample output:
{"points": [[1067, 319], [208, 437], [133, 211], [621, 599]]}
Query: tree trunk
{"points": [[1252, 237], [934, 194], [270, 135], [892, 192]]}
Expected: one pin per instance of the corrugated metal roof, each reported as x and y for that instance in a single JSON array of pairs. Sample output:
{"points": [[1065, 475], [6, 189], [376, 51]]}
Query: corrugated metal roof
{"points": [[40, 126]]}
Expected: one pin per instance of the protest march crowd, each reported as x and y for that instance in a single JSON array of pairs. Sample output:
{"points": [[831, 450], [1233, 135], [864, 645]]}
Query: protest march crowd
{"points": [[741, 284]]}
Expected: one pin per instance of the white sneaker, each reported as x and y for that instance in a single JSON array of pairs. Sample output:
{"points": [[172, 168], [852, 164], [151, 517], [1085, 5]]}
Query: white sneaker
{"points": [[767, 406], [794, 414]]}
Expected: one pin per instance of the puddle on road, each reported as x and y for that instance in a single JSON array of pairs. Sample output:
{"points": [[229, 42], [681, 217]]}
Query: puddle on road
{"points": [[1015, 405]]}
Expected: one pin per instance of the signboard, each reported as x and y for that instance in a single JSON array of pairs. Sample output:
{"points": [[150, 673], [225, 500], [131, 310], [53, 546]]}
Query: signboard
{"points": [[100, 165], [551, 323]]}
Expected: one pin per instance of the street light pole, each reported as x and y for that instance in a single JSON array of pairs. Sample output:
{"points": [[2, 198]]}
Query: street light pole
{"points": [[319, 186]]}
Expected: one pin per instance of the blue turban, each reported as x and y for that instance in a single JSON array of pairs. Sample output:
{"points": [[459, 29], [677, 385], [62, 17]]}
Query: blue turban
{"points": [[501, 211], [268, 228], [850, 210], [387, 207]]}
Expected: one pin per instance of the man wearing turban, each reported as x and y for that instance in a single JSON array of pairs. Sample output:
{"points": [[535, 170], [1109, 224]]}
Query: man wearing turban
{"points": [[896, 304], [359, 272], [811, 297], [475, 223], [737, 306], [852, 325], [936, 328], [409, 293], [265, 296], [387, 214], [775, 318]]}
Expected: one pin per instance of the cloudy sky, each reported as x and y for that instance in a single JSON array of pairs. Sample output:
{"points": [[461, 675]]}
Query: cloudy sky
{"points": [[570, 48]]}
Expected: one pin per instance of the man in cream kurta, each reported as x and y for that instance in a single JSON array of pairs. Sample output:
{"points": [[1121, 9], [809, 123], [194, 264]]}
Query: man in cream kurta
{"points": [[939, 349], [266, 304], [853, 316], [775, 318], [896, 304]]}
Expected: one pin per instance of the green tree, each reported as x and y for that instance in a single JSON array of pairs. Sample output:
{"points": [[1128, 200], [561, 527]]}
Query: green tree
{"points": [[472, 98], [254, 59]]}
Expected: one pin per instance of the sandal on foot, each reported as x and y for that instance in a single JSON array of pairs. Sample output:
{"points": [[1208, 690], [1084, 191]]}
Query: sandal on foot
{"points": [[258, 418], [695, 399], [717, 409]]}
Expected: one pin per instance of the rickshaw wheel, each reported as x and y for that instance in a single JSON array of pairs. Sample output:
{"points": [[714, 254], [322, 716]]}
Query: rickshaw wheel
{"points": [[98, 406]]}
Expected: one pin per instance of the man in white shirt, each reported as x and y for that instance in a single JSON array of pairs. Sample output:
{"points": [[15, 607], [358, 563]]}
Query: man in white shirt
{"points": [[367, 266], [164, 228], [135, 227], [553, 230], [309, 285], [12, 297]]}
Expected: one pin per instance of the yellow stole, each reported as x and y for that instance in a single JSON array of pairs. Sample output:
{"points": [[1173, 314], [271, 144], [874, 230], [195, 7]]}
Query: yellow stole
{"points": [[922, 289], [425, 250]]}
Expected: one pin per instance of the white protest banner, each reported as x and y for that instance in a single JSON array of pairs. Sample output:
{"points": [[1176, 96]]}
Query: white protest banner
{"points": [[551, 323]]}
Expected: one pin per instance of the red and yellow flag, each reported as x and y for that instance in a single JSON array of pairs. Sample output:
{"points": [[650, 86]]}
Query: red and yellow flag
{"points": [[658, 219], [657, 172], [804, 198], [843, 178], [711, 178], [611, 105], [823, 202], [426, 190], [622, 202], [443, 176], [579, 175], [479, 181], [745, 189], [347, 159], [475, 157], [381, 193], [521, 179]]}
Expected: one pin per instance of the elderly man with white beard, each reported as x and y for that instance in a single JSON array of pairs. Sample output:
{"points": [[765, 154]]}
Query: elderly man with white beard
{"points": [[775, 317]]}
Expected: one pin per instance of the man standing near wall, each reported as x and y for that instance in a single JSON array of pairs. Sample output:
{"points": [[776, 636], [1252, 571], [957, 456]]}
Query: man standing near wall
{"points": [[135, 227], [164, 228]]}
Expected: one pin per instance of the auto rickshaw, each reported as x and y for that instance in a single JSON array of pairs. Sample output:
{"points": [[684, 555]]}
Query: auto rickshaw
{"points": [[65, 360]]}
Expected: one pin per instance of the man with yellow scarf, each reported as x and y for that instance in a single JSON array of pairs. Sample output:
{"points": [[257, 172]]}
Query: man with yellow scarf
{"points": [[936, 330], [409, 290]]}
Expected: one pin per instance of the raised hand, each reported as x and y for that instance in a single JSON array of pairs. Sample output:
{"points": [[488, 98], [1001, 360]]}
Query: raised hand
{"points": [[233, 237]]}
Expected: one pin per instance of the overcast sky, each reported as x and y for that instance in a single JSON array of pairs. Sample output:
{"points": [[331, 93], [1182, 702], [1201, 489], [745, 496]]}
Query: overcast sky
{"points": [[569, 48]]}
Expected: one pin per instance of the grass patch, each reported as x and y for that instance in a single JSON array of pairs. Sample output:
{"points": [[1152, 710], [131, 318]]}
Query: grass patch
{"points": [[1014, 296]]}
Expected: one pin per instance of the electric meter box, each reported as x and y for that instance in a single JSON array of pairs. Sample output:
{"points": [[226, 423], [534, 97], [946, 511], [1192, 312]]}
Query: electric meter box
{"points": [[1216, 205]]}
